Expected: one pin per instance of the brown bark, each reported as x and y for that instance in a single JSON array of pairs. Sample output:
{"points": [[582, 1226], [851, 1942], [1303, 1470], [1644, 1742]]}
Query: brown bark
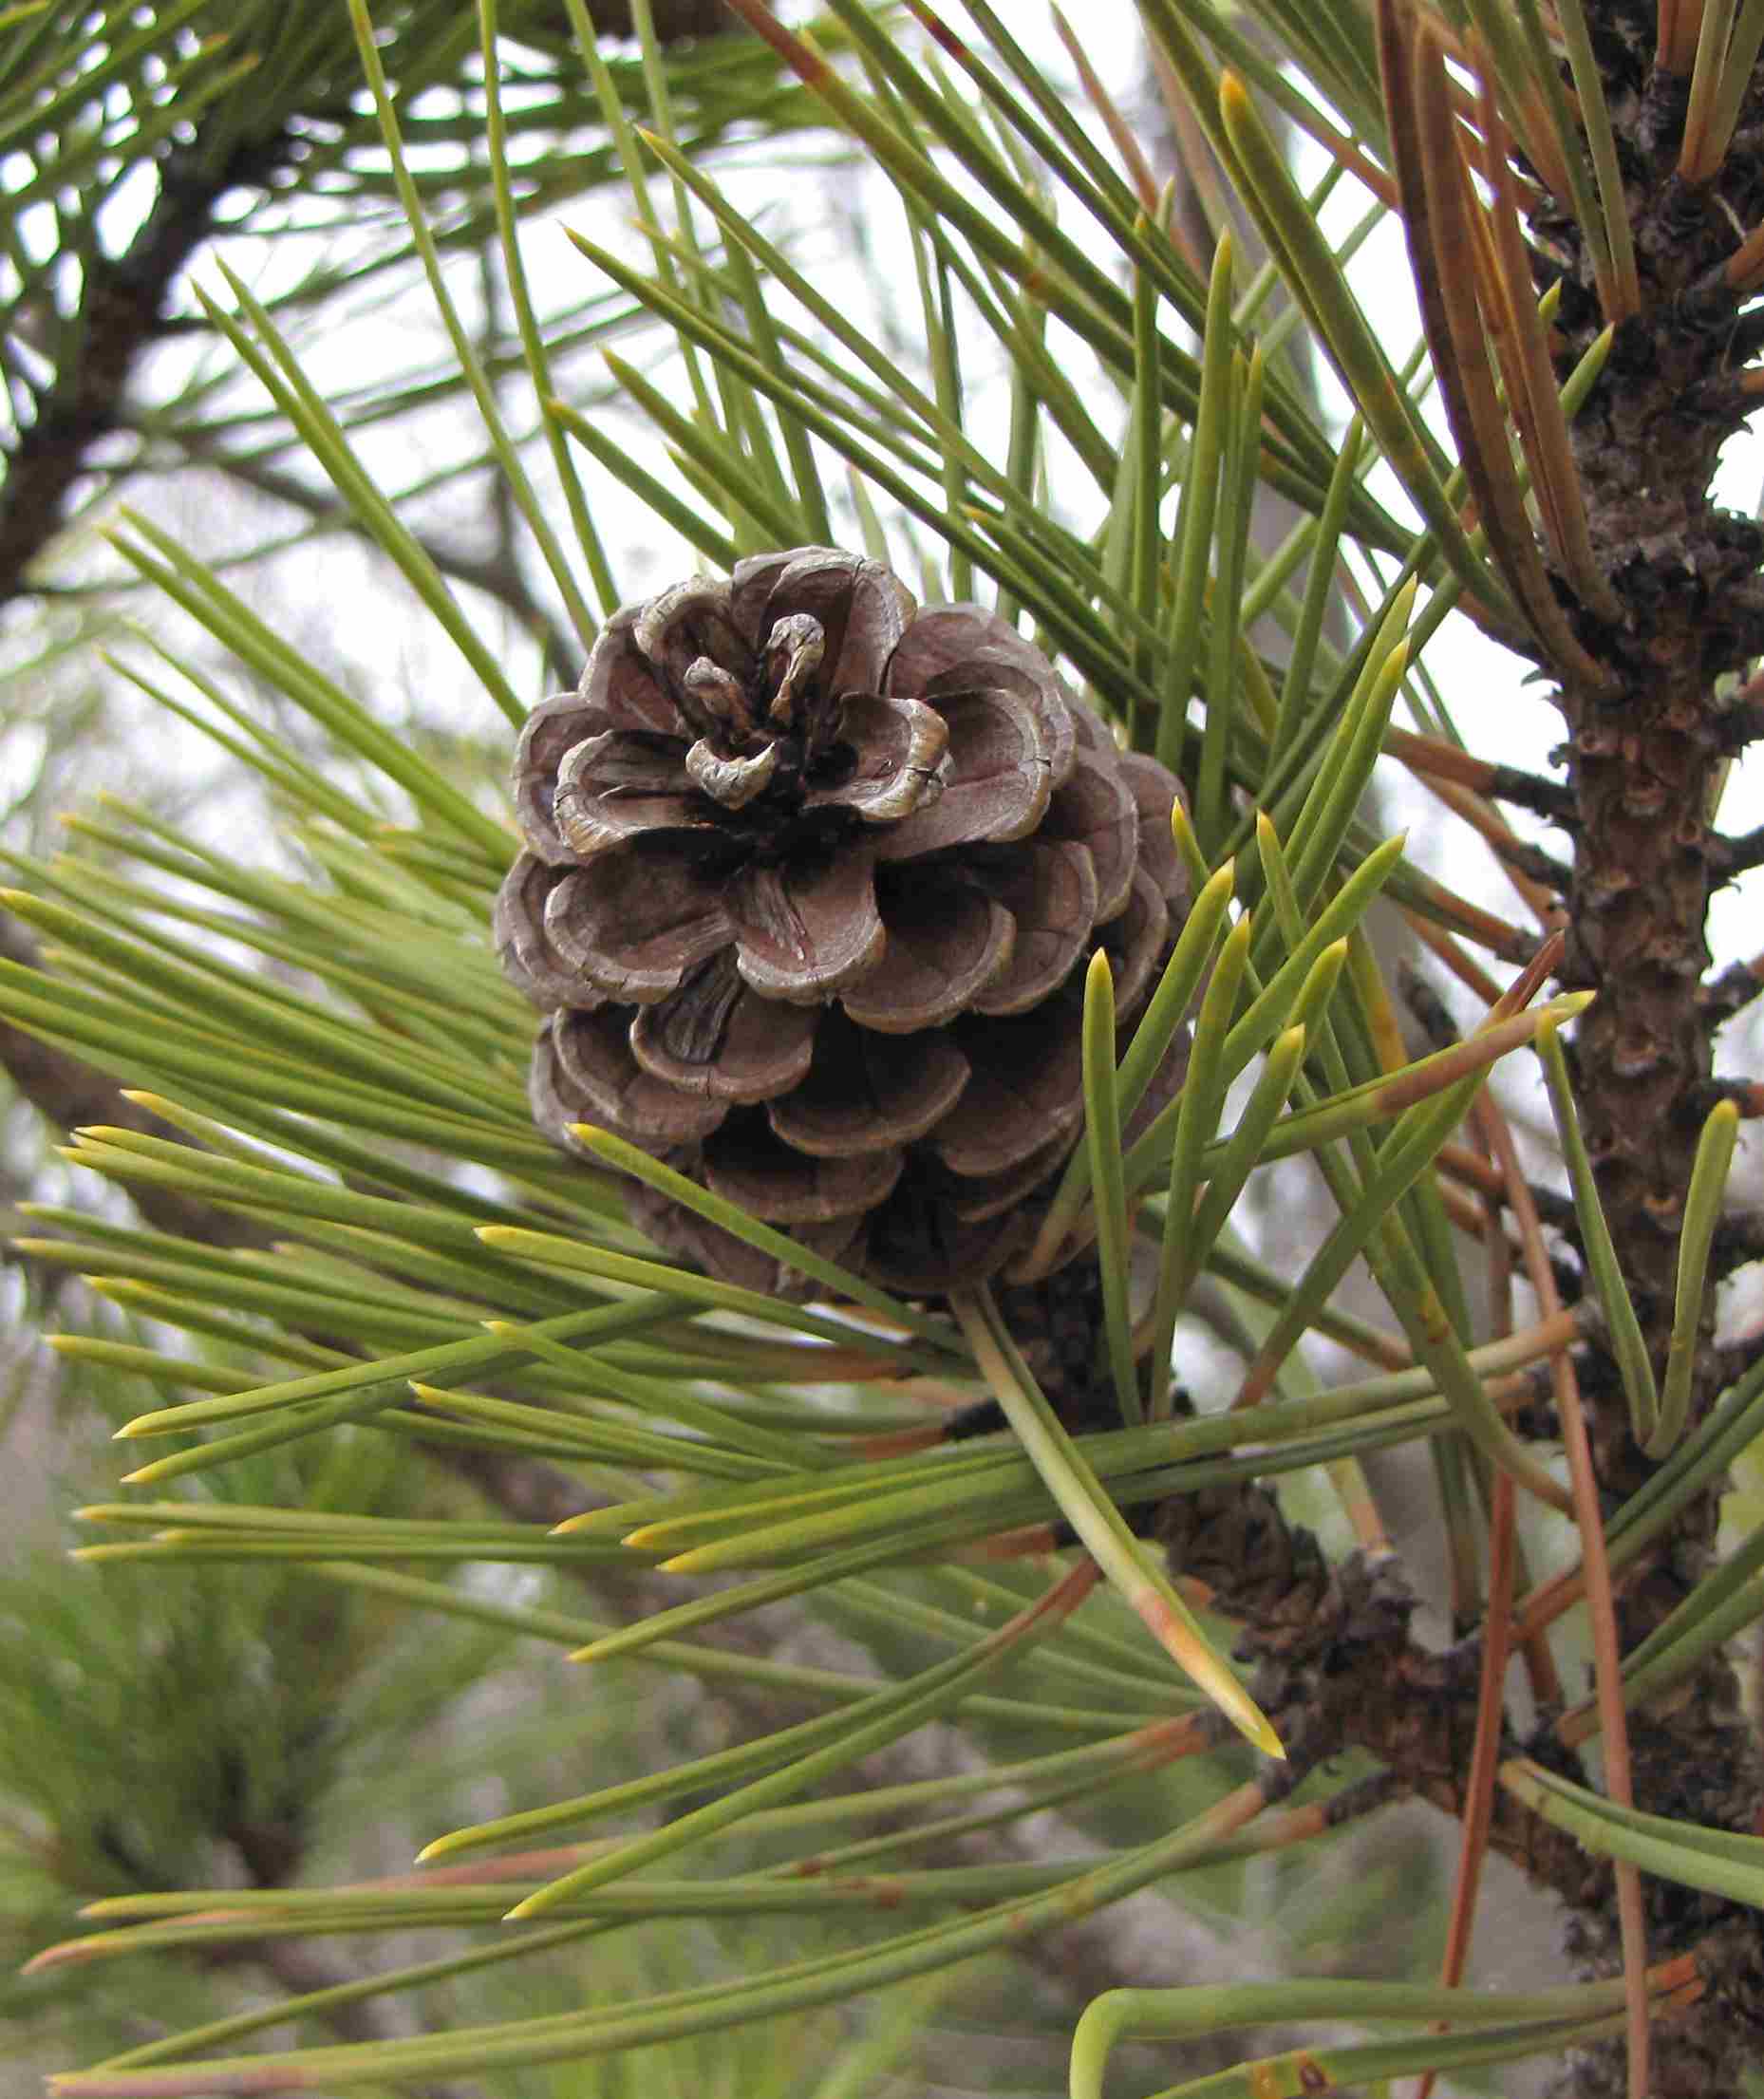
{"points": [[1340, 1669], [1641, 761], [1642, 757], [122, 309]]}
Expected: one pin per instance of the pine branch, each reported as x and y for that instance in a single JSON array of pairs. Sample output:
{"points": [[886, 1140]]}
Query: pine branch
{"points": [[1645, 599], [1666, 607], [122, 315], [1125, 1945], [123, 298], [1340, 1669], [67, 1094]]}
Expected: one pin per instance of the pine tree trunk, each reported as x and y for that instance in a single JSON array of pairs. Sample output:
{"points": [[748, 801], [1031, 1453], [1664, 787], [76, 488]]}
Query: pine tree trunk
{"points": [[1644, 763]]}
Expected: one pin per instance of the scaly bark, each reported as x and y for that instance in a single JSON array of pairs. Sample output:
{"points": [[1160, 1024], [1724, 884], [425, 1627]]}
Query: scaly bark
{"points": [[1644, 762], [1643, 757]]}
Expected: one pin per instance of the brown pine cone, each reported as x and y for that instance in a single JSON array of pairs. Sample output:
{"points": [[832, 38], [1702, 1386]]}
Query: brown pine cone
{"points": [[809, 878]]}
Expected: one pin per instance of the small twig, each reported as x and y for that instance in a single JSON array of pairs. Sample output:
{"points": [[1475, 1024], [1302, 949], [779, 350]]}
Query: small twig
{"points": [[1746, 1095], [1730, 857], [1430, 755], [121, 301], [1732, 991], [1539, 878]]}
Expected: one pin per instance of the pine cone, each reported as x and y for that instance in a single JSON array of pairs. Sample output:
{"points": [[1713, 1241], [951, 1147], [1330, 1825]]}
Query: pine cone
{"points": [[809, 880]]}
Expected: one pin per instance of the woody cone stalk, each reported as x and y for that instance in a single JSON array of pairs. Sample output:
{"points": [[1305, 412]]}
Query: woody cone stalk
{"points": [[810, 878]]}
